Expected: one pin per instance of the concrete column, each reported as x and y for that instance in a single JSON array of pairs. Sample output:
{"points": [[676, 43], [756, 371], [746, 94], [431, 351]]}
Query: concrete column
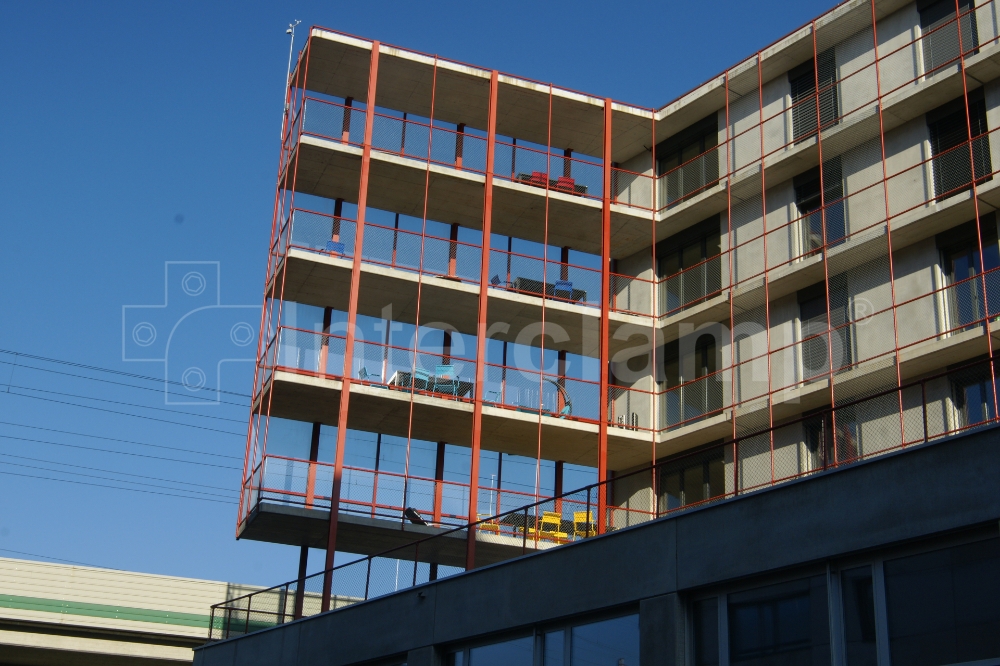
{"points": [[662, 631]]}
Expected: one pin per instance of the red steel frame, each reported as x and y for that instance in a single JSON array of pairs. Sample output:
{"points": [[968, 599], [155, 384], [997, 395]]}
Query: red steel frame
{"points": [[293, 126]]}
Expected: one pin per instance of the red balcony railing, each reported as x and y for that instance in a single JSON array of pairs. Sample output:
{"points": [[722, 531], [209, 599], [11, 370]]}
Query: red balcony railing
{"points": [[536, 276]]}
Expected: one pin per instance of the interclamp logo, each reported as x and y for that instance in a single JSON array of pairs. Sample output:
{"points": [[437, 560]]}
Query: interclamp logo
{"points": [[192, 333]]}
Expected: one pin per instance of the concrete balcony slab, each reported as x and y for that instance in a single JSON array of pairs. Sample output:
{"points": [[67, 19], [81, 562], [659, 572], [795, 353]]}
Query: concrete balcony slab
{"points": [[363, 535]]}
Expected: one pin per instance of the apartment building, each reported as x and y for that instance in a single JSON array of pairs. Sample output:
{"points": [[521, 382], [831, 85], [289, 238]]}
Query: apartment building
{"points": [[483, 291]]}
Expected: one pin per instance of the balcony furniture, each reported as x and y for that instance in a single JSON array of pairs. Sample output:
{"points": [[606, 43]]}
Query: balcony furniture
{"points": [[413, 516], [489, 525], [423, 381], [445, 380], [497, 282], [530, 286], [365, 376], [563, 289], [336, 247], [563, 183], [566, 184], [583, 524], [499, 397], [549, 526]]}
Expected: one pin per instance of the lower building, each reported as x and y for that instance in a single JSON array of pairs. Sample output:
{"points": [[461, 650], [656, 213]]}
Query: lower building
{"points": [[59, 614], [894, 560]]}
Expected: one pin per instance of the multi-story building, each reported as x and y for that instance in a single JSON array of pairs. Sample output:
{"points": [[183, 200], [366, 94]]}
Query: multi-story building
{"points": [[484, 290], [68, 615]]}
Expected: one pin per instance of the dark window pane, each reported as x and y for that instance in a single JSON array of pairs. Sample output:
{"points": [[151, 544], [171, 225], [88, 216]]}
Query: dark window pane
{"points": [[859, 616], [938, 24], [687, 160], [944, 607], [949, 133], [553, 648], [692, 478], [807, 109], [706, 632], [780, 625], [510, 653], [609, 643]]}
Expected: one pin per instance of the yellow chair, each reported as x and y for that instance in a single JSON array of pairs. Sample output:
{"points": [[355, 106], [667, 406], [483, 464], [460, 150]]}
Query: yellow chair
{"points": [[489, 525], [549, 527], [583, 524]]}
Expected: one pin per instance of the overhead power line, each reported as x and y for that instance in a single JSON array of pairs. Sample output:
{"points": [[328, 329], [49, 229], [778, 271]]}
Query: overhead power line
{"points": [[105, 478], [112, 411], [134, 386], [123, 441], [126, 404], [135, 490], [114, 372], [123, 453], [114, 471]]}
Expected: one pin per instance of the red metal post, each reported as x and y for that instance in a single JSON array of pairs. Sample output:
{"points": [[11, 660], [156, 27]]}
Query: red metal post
{"points": [[605, 364], [352, 315], [484, 269]]}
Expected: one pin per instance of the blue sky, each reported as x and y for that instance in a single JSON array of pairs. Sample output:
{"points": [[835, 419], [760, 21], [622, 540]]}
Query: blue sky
{"points": [[134, 134]]}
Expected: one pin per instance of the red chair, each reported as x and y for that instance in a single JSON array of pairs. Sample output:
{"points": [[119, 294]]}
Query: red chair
{"points": [[566, 183], [538, 178]]}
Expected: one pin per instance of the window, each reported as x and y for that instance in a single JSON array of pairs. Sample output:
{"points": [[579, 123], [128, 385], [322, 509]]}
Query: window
{"points": [[783, 624], [687, 398], [802, 81], [961, 261], [612, 642], [816, 331], [972, 394], [692, 479], [943, 607], [821, 226], [858, 598], [608, 643], [688, 161], [689, 263], [816, 433], [937, 24], [517, 652], [705, 616], [949, 133]]}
